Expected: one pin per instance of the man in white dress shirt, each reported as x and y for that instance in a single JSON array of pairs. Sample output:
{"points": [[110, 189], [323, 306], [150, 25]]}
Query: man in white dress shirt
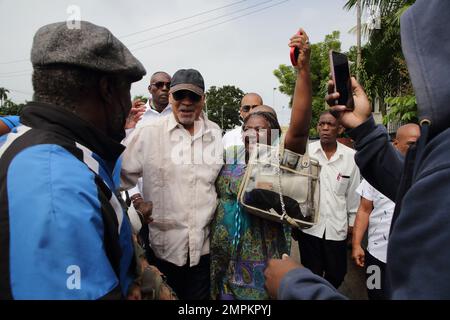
{"points": [[234, 137], [157, 106], [323, 247], [179, 158]]}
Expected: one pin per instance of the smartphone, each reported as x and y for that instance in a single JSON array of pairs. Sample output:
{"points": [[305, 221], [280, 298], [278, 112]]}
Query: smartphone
{"points": [[340, 72], [294, 56], [294, 52]]}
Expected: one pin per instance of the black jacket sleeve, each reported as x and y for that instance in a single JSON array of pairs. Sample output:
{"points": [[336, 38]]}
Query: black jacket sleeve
{"points": [[378, 161]]}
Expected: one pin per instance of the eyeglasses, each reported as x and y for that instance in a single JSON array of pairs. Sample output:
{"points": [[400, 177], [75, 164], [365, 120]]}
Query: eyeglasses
{"points": [[247, 108], [161, 84], [183, 94]]}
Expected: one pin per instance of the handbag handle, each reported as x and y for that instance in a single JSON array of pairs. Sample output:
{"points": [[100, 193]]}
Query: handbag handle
{"points": [[305, 163]]}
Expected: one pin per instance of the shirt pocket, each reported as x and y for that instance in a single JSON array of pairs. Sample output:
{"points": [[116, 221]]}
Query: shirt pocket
{"points": [[342, 185]]}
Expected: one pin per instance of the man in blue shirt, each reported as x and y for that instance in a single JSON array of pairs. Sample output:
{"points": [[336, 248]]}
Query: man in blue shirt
{"points": [[63, 231]]}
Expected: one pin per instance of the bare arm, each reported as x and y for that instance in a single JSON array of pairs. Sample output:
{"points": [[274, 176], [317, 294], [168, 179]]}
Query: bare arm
{"points": [[4, 128], [360, 227], [297, 134]]}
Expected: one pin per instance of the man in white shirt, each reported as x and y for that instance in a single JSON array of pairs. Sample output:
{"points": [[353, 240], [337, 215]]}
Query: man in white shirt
{"points": [[375, 212], [179, 158], [234, 137], [323, 247], [155, 107], [142, 112]]}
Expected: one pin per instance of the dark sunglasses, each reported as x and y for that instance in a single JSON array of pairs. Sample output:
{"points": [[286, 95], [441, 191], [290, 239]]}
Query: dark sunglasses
{"points": [[247, 108], [161, 84], [183, 94]]}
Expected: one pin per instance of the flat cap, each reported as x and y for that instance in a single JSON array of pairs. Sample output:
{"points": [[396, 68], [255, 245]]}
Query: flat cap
{"points": [[188, 79], [90, 46]]}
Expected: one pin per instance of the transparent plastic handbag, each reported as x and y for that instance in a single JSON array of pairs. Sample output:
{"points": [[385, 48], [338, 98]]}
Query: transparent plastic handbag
{"points": [[281, 185]]}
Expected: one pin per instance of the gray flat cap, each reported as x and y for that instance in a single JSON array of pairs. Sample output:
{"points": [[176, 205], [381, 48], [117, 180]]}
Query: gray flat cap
{"points": [[91, 46]]}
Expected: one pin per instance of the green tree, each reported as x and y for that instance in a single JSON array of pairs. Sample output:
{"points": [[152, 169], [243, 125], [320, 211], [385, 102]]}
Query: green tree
{"points": [[286, 75], [10, 108], [401, 109], [222, 105], [3, 95], [141, 97], [383, 71], [388, 9]]}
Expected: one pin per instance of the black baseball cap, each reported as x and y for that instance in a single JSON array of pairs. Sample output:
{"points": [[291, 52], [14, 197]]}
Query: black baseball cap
{"points": [[188, 79]]}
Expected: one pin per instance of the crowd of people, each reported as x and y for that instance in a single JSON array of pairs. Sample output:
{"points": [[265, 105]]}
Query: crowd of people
{"points": [[103, 197]]}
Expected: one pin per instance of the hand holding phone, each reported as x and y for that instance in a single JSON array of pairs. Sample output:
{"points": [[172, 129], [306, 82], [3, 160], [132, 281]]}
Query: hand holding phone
{"points": [[349, 118], [340, 73], [299, 49]]}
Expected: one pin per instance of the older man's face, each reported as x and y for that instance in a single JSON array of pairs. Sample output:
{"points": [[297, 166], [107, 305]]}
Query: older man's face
{"points": [[187, 107]]}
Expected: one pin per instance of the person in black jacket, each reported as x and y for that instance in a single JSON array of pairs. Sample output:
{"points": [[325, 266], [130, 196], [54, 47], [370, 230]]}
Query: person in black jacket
{"points": [[418, 258]]}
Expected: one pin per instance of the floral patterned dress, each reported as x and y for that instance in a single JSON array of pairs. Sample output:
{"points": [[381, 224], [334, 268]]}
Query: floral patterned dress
{"points": [[241, 243]]}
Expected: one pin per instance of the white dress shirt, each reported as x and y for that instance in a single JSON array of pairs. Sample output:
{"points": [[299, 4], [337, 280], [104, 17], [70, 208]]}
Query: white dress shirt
{"points": [[179, 173], [379, 220], [233, 138], [339, 178], [150, 114]]}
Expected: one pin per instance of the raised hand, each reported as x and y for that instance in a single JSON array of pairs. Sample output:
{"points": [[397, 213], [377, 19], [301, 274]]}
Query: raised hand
{"points": [[135, 115], [301, 41], [350, 118]]}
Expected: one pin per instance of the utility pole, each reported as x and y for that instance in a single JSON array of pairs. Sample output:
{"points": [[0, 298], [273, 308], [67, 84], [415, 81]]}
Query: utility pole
{"points": [[358, 37]]}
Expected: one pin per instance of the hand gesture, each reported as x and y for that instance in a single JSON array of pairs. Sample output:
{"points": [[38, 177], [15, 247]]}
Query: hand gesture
{"points": [[135, 115]]}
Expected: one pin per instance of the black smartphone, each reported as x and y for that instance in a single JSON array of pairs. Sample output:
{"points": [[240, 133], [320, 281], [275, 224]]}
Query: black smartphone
{"points": [[340, 72]]}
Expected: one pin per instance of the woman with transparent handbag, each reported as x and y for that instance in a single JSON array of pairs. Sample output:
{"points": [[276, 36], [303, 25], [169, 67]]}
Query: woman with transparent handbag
{"points": [[241, 243]]}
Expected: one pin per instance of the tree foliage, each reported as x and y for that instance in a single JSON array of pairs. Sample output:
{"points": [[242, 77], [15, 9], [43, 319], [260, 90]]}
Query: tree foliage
{"points": [[141, 97], [8, 107], [222, 105], [383, 71], [401, 109]]}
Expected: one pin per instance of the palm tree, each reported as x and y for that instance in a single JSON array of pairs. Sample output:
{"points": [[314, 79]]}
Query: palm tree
{"points": [[383, 64], [3, 95], [387, 8]]}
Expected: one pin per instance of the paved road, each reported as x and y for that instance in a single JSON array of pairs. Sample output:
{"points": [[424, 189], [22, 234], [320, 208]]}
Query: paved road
{"points": [[353, 286]]}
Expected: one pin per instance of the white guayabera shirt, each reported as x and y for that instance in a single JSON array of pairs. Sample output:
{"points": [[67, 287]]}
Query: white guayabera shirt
{"points": [[379, 220], [178, 173], [150, 114], [339, 202]]}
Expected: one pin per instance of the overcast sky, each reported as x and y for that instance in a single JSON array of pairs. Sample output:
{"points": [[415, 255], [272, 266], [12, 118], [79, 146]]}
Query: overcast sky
{"points": [[230, 42]]}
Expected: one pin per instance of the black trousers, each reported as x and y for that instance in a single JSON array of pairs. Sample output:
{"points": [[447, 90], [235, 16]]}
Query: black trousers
{"points": [[325, 258], [189, 283], [374, 293]]}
